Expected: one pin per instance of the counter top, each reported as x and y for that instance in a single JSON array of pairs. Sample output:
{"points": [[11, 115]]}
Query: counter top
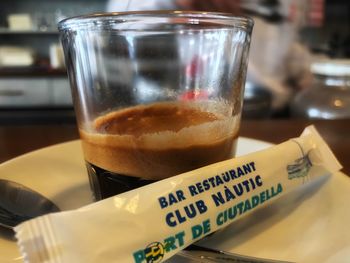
{"points": [[19, 139], [32, 72]]}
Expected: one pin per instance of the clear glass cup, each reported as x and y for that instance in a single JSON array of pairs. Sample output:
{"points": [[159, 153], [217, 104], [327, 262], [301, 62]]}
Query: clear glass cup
{"points": [[329, 95], [156, 94]]}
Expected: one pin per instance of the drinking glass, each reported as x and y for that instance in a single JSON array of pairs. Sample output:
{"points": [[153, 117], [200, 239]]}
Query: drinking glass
{"points": [[155, 93]]}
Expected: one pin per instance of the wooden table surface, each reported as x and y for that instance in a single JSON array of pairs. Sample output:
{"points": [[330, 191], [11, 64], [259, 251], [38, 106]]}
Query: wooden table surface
{"points": [[19, 139]]}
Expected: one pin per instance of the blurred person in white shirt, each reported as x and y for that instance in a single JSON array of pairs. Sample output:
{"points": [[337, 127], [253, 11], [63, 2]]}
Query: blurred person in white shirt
{"points": [[276, 58]]}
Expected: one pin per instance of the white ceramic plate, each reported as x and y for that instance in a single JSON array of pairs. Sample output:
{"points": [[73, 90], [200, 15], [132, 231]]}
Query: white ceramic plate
{"points": [[307, 225]]}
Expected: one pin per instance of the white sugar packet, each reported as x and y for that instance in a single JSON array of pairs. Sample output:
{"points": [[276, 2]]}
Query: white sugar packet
{"points": [[154, 222]]}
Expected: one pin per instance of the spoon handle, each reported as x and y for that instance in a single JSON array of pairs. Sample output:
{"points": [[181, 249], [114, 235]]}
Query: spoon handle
{"points": [[19, 203], [197, 253]]}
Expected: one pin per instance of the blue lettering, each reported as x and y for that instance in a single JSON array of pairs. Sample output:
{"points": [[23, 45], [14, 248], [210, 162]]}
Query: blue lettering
{"points": [[162, 201], [226, 176], [172, 199], [170, 220], [240, 172], [252, 164], [246, 168], [193, 190], [202, 208], [199, 187], [211, 180], [258, 180], [206, 185], [218, 199], [180, 195], [190, 211], [218, 180], [180, 218], [233, 174]]}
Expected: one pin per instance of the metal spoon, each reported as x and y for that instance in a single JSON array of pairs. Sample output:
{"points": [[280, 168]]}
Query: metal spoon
{"points": [[19, 203], [201, 254]]}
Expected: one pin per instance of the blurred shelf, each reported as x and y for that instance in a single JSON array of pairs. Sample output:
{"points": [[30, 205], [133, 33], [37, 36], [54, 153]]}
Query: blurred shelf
{"points": [[27, 32], [35, 71], [32, 115]]}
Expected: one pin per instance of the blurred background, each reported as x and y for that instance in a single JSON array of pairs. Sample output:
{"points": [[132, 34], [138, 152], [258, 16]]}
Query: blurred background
{"points": [[299, 64]]}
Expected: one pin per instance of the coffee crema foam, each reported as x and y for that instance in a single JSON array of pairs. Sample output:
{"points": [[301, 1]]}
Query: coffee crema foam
{"points": [[163, 139]]}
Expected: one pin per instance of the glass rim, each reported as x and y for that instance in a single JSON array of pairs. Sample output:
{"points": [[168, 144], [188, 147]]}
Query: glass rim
{"points": [[223, 19]]}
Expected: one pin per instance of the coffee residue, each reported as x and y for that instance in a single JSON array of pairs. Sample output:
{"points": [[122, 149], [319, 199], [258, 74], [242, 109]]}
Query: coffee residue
{"points": [[162, 139]]}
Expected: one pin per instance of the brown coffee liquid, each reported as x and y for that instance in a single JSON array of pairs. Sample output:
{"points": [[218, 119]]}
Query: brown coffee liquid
{"points": [[133, 147]]}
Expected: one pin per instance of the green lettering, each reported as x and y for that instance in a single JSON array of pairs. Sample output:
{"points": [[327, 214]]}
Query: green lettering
{"points": [[206, 226], [279, 188], [255, 201], [219, 219], [197, 231], [180, 238], [240, 207], [262, 197], [247, 206], [169, 244], [139, 256]]}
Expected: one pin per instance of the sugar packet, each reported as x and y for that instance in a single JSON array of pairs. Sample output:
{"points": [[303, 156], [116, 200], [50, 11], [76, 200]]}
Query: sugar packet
{"points": [[154, 222]]}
